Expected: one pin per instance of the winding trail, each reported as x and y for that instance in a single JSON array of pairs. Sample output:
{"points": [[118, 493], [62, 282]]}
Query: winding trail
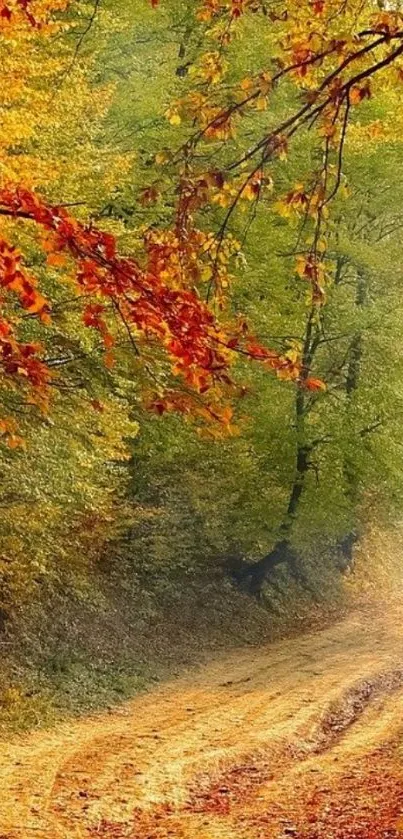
{"points": [[301, 738]]}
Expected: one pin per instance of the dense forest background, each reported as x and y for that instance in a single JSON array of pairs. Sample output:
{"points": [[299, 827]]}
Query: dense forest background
{"points": [[132, 539]]}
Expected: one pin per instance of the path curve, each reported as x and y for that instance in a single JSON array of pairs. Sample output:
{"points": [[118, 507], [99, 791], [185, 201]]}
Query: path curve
{"points": [[301, 738]]}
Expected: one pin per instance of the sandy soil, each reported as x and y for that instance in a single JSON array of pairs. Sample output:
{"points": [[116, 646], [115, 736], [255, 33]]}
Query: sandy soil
{"points": [[300, 738]]}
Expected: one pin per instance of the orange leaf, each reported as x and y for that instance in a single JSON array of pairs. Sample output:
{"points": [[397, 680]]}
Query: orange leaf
{"points": [[57, 260], [314, 384]]}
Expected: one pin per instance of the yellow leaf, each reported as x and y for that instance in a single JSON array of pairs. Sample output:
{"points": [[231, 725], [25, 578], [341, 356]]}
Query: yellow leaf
{"points": [[261, 103], [173, 116]]}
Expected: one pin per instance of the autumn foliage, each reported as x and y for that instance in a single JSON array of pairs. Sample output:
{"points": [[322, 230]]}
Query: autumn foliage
{"points": [[175, 292], [332, 73], [157, 300]]}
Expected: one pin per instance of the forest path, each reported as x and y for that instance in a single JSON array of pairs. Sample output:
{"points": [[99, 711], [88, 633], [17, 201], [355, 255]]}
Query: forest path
{"points": [[301, 738]]}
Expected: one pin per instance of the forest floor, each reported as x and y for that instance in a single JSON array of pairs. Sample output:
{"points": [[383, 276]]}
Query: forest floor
{"points": [[302, 737]]}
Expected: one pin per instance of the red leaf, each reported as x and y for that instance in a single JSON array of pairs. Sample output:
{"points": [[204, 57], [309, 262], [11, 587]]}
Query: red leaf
{"points": [[314, 384], [97, 406]]}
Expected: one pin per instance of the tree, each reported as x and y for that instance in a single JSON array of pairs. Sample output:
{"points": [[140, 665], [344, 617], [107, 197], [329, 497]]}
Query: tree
{"points": [[330, 77]]}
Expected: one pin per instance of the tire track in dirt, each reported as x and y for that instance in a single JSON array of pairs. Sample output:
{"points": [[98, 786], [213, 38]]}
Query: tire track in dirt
{"points": [[240, 749]]}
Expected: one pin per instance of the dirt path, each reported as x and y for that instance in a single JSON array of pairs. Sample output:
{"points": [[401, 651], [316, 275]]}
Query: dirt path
{"points": [[301, 738]]}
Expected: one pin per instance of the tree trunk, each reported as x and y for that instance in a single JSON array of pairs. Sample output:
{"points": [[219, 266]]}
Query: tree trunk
{"points": [[346, 545], [253, 576], [183, 65]]}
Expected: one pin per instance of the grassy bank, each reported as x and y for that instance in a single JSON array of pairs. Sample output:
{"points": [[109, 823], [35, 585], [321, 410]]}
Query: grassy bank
{"points": [[80, 648], [74, 651]]}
